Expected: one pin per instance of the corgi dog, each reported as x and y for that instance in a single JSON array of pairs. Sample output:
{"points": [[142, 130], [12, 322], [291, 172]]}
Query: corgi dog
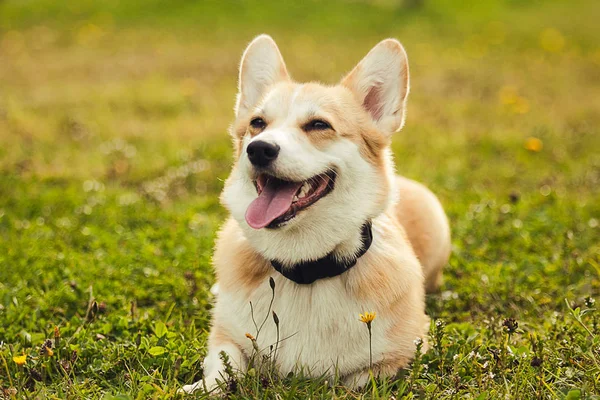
{"points": [[321, 228]]}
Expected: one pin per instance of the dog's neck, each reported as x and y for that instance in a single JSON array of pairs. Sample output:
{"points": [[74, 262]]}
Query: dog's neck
{"points": [[333, 264], [348, 248]]}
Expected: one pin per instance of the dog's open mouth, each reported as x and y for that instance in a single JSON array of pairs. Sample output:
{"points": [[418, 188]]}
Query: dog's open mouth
{"points": [[279, 200]]}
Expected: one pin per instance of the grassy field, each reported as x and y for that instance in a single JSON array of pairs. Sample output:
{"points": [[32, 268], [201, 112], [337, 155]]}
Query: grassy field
{"points": [[114, 147]]}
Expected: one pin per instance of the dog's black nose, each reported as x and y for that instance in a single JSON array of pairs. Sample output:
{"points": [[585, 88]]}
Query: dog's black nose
{"points": [[262, 153]]}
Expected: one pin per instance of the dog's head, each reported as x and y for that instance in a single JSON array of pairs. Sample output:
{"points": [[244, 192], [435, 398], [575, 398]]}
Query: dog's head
{"points": [[312, 161]]}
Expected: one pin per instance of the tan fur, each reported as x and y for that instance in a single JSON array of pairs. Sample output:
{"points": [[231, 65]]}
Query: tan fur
{"points": [[411, 237], [426, 233], [237, 265], [336, 104], [219, 337], [391, 277], [388, 276], [427, 228]]}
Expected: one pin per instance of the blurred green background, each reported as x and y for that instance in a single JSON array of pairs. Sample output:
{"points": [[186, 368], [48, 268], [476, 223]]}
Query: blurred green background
{"points": [[114, 147], [161, 75]]}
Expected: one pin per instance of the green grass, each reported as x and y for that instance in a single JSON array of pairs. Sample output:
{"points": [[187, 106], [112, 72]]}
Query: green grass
{"points": [[114, 147]]}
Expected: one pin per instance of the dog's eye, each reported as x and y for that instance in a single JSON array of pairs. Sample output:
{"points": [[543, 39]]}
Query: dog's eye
{"points": [[317, 125], [258, 123]]}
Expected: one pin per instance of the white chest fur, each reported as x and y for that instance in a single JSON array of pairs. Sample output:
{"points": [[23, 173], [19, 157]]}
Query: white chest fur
{"points": [[319, 327]]}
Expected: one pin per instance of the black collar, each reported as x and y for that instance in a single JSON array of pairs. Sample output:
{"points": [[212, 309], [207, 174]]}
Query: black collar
{"points": [[306, 272]]}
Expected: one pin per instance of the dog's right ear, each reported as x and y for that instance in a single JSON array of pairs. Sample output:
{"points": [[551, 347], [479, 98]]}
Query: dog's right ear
{"points": [[261, 67]]}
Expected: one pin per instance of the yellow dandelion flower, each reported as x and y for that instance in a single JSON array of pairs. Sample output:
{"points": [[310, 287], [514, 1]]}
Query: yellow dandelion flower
{"points": [[20, 360], [367, 317], [254, 344], [534, 144]]}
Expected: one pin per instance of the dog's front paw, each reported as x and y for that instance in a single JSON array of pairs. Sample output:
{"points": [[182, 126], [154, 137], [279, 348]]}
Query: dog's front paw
{"points": [[210, 384], [191, 388], [357, 380]]}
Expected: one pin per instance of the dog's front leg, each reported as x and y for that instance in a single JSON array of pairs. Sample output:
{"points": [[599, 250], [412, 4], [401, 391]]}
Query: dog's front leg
{"points": [[360, 379], [357, 380], [214, 368]]}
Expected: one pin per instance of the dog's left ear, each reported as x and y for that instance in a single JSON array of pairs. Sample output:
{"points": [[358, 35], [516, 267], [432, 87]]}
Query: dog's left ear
{"points": [[380, 83], [261, 67]]}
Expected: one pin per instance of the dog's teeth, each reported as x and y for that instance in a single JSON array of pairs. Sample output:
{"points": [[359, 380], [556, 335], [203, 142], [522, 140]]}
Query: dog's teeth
{"points": [[304, 190], [295, 199]]}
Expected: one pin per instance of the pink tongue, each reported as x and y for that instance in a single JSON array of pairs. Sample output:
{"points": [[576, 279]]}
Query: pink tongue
{"points": [[275, 199]]}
